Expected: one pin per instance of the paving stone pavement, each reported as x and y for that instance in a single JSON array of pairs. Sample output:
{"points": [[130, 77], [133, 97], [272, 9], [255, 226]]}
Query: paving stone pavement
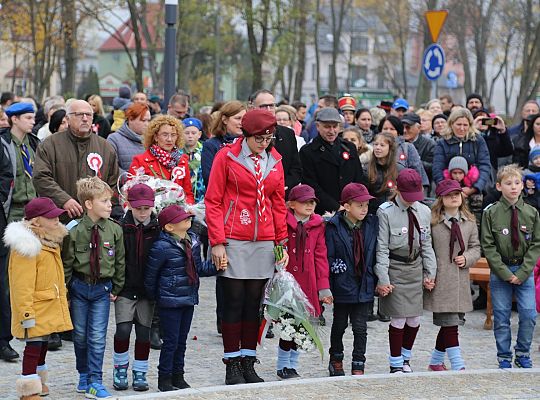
{"points": [[205, 371]]}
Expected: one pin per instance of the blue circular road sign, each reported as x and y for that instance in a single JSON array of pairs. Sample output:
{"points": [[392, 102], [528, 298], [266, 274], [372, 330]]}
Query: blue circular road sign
{"points": [[433, 62]]}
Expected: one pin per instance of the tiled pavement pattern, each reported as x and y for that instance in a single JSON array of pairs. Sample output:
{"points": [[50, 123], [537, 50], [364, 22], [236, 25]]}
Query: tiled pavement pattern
{"points": [[205, 371]]}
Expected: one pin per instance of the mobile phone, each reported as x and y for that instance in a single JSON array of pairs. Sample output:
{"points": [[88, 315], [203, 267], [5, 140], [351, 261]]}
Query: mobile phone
{"points": [[489, 121]]}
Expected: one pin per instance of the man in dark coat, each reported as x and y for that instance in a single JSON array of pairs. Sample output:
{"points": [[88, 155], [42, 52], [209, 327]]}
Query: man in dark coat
{"points": [[285, 142], [423, 144], [329, 163]]}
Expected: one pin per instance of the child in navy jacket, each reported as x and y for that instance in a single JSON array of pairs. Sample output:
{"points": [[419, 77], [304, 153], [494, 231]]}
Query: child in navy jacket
{"points": [[172, 280], [351, 239]]}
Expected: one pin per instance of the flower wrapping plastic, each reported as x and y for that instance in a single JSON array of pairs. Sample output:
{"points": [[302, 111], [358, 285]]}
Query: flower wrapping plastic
{"points": [[286, 304], [166, 193]]}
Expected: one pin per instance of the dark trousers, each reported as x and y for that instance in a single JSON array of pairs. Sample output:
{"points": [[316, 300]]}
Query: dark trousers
{"points": [[175, 325], [358, 314], [5, 308]]}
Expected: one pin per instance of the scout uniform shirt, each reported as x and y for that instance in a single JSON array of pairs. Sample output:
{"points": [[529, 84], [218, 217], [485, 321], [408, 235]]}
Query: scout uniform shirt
{"points": [[497, 243], [24, 190], [394, 237], [76, 251]]}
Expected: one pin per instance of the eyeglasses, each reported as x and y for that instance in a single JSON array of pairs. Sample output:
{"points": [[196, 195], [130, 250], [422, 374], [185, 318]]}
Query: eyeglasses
{"points": [[262, 139], [168, 135], [82, 114], [270, 106]]}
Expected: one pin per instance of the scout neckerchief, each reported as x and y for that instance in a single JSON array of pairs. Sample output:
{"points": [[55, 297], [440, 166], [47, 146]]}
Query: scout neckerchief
{"points": [[261, 206], [455, 234]]}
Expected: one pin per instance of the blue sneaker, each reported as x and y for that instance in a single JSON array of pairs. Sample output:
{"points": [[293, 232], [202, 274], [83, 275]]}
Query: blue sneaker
{"points": [[504, 364], [97, 391], [120, 378], [83, 383], [523, 362]]}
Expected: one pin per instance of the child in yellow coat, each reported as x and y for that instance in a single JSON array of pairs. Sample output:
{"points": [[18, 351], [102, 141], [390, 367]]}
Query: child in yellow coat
{"points": [[37, 289]]}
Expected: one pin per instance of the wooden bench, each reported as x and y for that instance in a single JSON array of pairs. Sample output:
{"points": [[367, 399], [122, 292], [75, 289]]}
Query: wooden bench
{"points": [[479, 273]]}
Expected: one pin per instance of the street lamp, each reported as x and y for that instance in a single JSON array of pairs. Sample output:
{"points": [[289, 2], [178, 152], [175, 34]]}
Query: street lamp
{"points": [[169, 59]]}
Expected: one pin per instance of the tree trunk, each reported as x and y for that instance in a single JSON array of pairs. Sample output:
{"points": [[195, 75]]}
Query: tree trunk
{"points": [[301, 52], [337, 27], [257, 52], [139, 65], [317, 55], [157, 77], [69, 27]]}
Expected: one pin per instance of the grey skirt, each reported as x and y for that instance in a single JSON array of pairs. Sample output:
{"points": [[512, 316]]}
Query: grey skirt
{"points": [[448, 319], [249, 260]]}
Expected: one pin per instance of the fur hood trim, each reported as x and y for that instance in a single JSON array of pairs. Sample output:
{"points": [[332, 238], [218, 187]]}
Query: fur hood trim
{"points": [[20, 238]]}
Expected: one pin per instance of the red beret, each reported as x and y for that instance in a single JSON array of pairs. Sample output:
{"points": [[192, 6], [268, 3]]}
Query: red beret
{"points": [[258, 122]]}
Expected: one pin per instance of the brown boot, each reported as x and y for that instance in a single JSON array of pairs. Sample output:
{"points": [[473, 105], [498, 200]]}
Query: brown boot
{"points": [[28, 388], [44, 376]]}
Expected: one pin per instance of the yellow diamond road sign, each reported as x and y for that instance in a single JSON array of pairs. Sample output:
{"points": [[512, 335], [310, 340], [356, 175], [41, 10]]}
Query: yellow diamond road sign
{"points": [[435, 21]]}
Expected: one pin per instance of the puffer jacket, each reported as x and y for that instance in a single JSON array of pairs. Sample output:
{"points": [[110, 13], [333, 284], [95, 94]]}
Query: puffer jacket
{"points": [[345, 286], [166, 280], [127, 145], [209, 150], [474, 150]]}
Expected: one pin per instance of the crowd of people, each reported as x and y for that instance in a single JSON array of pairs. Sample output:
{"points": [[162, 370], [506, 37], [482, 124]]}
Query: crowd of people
{"points": [[393, 203]]}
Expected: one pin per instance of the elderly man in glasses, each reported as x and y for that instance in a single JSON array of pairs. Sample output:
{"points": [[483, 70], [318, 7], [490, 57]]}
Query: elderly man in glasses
{"points": [[75, 153]]}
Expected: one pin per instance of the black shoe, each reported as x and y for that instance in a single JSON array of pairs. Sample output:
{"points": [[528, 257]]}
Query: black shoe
{"points": [[234, 374], [7, 353], [179, 382], [67, 336], [155, 340], [248, 368], [372, 317], [394, 370], [382, 317], [480, 303], [335, 366], [54, 342], [270, 332], [165, 383], [287, 373]]}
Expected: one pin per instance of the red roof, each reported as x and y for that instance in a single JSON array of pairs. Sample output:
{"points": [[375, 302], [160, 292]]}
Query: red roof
{"points": [[15, 73], [154, 18]]}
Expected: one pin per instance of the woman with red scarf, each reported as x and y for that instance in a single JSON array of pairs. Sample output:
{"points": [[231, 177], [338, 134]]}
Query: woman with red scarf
{"points": [[246, 217], [163, 157]]}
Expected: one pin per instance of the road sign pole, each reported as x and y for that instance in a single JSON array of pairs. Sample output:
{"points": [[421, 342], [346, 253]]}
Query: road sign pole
{"points": [[433, 89]]}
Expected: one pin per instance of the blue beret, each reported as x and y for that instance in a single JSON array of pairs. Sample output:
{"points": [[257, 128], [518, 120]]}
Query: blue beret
{"points": [[193, 122], [19, 108]]}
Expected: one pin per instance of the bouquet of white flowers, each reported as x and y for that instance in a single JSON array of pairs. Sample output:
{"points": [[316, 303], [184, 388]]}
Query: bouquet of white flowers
{"points": [[166, 193], [289, 308]]}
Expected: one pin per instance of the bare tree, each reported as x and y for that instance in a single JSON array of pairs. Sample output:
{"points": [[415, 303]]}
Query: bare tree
{"points": [[256, 15], [337, 27]]}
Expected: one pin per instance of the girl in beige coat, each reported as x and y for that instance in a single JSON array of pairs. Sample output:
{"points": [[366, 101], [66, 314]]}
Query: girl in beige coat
{"points": [[37, 289], [457, 248]]}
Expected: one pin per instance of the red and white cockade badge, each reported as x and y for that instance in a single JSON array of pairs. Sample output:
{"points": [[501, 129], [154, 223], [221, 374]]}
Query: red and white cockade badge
{"points": [[95, 162], [390, 184], [345, 155], [402, 156], [178, 173]]}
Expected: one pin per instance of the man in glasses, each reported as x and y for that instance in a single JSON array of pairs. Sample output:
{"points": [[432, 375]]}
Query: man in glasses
{"points": [[65, 157], [285, 142], [329, 163]]}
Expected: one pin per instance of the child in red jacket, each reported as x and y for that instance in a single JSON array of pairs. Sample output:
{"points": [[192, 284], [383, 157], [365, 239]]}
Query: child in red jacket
{"points": [[307, 263]]}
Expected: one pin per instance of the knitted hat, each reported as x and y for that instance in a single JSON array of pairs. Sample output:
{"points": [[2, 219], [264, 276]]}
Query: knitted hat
{"points": [[474, 96], [535, 152], [458, 162], [124, 92]]}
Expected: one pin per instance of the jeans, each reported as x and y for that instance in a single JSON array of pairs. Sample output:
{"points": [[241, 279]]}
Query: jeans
{"points": [[5, 308], [175, 325], [501, 296], [90, 305], [358, 314]]}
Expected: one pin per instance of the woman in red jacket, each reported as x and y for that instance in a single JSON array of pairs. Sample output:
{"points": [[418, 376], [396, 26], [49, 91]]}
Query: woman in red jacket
{"points": [[246, 217], [163, 157]]}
